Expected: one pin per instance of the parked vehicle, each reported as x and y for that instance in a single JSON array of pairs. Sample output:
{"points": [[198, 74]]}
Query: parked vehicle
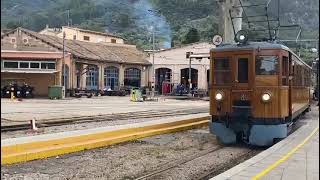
{"points": [[110, 92], [12, 87], [78, 93], [27, 91]]}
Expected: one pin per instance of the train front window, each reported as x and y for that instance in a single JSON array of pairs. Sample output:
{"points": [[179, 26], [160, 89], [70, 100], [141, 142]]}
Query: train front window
{"points": [[266, 65], [243, 70], [222, 71]]}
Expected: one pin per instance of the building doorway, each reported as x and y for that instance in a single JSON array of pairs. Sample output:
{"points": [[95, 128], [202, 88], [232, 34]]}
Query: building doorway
{"points": [[185, 76], [162, 75]]}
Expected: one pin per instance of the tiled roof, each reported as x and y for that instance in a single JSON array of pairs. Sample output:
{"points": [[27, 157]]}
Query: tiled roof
{"points": [[94, 51], [94, 32]]}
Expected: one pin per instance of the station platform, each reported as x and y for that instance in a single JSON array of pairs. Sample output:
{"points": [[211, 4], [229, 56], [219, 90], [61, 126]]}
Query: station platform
{"points": [[294, 158], [22, 149]]}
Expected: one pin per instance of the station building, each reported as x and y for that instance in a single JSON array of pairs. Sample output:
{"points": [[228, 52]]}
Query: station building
{"points": [[37, 58], [172, 65], [73, 33]]}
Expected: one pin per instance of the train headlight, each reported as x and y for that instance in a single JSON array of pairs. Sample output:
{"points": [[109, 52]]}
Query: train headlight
{"points": [[219, 96], [12, 89], [266, 97], [18, 92], [27, 92], [241, 37], [7, 92]]}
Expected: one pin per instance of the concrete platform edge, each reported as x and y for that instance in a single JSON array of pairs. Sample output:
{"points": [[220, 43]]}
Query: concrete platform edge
{"points": [[256, 159], [22, 152]]}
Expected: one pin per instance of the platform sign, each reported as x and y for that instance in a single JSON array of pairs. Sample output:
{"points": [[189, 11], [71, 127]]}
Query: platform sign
{"points": [[217, 40]]}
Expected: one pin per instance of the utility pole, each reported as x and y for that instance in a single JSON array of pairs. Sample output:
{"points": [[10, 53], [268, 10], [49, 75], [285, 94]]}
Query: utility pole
{"points": [[63, 60], [189, 79], [153, 72], [68, 17], [228, 25], [317, 73]]}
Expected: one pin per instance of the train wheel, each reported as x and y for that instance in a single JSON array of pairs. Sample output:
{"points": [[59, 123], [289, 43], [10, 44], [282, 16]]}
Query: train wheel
{"points": [[276, 140], [309, 109]]}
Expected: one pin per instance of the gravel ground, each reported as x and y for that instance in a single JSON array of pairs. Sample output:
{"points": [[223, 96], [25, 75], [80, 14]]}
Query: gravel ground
{"points": [[133, 159]]}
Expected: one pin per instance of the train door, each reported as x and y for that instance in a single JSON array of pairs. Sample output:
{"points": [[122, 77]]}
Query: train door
{"points": [[242, 92], [243, 71], [291, 70]]}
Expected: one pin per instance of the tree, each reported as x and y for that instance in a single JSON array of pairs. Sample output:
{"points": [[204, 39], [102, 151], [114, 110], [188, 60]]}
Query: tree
{"points": [[192, 36], [12, 24]]}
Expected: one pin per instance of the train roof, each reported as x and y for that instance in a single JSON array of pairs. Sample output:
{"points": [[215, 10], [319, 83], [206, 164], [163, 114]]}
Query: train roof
{"points": [[254, 45], [250, 46]]}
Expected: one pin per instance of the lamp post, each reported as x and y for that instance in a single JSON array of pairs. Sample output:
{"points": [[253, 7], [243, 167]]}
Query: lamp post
{"points": [[153, 49], [153, 72], [63, 60], [188, 55], [189, 79]]}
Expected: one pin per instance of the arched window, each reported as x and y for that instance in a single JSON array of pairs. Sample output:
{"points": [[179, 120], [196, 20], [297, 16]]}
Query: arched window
{"points": [[132, 77], [92, 77], [111, 78]]}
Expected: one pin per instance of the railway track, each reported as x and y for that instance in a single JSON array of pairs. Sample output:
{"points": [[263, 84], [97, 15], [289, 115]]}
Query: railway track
{"points": [[174, 164], [99, 118], [207, 175], [227, 165]]}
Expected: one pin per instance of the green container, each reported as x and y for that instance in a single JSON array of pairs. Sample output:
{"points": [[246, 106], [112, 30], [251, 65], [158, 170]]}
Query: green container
{"points": [[56, 92]]}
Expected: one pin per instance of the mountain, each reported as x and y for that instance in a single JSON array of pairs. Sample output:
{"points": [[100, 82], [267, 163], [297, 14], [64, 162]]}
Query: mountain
{"points": [[173, 22]]}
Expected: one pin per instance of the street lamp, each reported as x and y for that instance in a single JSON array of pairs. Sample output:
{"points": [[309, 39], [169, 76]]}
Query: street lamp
{"points": [[188, 55], [63, 60], [153, 49], [153, 72]]}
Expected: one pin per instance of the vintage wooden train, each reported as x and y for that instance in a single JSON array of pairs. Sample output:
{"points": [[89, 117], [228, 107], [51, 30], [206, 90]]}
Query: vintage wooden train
{"points": [[257, 90]]}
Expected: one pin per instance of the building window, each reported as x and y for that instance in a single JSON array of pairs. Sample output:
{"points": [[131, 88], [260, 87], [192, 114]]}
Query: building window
{"points": [[92, 77], [47, 65], [74, 37], [113, 41], [132, 77], [10, 64], [24, 65], [29, 65], [111, 78], [34, 65], [86, 38], [266, 65]]}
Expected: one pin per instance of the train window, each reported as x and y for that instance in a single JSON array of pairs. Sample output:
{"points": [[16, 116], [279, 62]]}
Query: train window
{"points": [[285, 70], [243, 70], [266, 65], [222, 71]]}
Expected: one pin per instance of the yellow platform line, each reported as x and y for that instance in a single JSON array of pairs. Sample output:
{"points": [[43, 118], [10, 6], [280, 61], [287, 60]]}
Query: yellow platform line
{"points": [[285, 157], [43, 149]]}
